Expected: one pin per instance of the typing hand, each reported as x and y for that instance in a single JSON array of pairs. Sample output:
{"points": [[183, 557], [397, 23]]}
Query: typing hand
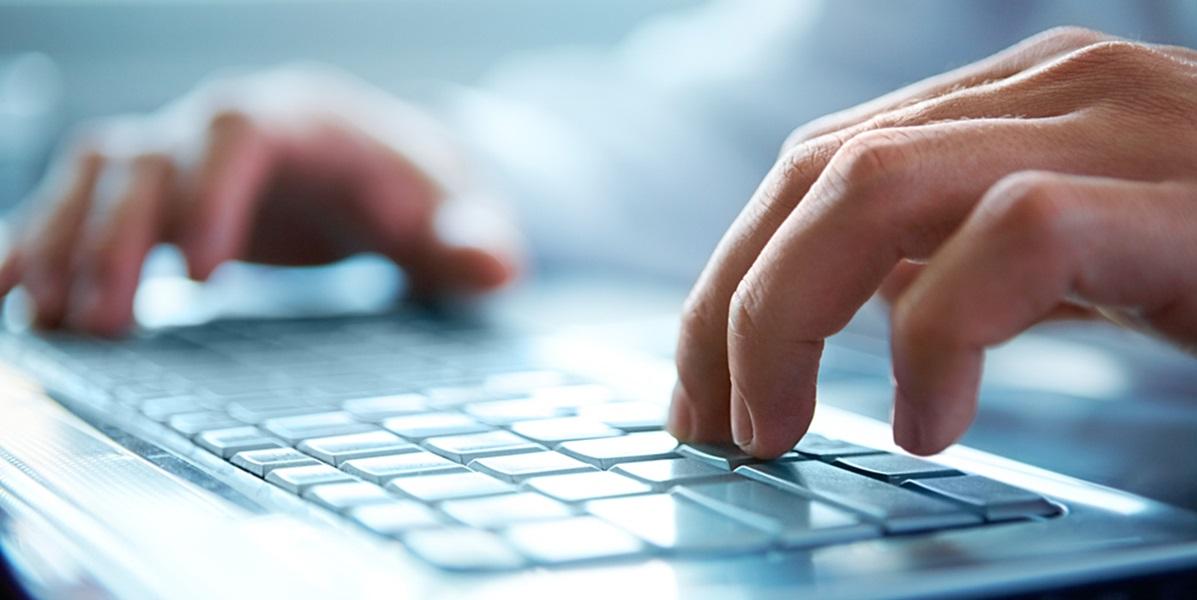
{"points": [[293, 166], [1060, 173]]}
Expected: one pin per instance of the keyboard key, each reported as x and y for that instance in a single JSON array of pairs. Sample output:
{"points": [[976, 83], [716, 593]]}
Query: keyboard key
{"points": [[395, 517], [572, 540], [262, 462], [579, 487], [162, 408], [134, 393], [608, 452], [360, 384], [797, 521], [627, 416], [551, 432], [897, 509], [451, 486], [499, 511], [465, 448], [666, 473], [506, 412], [518, 467], [462, 549], [894, 468], [189, 424], [337, 449], [298, 479], [227, 442], [380, 408], [575, 396], [381, 469], [341, 497], [418, 427], [257, 409], [296, 429], [447, 397], [727, 458], [994, 500], [816, 446], [522, 382], [677, 525]]}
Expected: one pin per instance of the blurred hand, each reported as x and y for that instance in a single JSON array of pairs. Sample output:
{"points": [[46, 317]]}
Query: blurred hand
{"points": [[289, 167], [1060, 173]]}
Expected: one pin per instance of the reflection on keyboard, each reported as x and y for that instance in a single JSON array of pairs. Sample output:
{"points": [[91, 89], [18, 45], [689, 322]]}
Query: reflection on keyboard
{"points": [[454, 441]]}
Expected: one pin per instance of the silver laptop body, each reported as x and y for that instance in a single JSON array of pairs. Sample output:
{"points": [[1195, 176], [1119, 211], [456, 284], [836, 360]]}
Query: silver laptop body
{"points": [[513, 454]]}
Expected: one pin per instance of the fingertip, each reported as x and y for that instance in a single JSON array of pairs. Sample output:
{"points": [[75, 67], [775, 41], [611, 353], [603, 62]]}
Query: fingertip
{"points": [[485, 270], [204, 252], [763, 434], [769, 442], [680, 422], [907, 431], [925, 432], [199, 267]]}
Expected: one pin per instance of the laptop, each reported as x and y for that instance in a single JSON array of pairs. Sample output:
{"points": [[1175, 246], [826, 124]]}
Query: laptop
{"points": [[511, 449]]}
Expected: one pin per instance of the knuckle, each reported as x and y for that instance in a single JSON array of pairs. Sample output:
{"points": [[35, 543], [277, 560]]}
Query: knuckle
{"points": [[808, 157], [1032, 205], [1114, 58], [872, 156], [1073, 36], [794, 170], [809, 131]]}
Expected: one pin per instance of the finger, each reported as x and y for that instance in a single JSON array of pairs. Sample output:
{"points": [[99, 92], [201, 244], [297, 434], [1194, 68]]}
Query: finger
{"points": [[703, 383], [120, 232], [899, 279], [214, 224], [473, 247], [1036, 239], [887, 195], [446, 242], [49, 247], [10, 271], [1028, 53], [702, 365]]}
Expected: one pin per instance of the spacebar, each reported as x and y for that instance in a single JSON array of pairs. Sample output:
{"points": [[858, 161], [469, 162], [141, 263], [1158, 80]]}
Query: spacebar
{"points": [[897, 510]]}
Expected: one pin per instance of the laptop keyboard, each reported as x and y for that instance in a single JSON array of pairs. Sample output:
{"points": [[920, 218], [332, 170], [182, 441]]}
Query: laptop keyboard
{"points": [[456, 443]]}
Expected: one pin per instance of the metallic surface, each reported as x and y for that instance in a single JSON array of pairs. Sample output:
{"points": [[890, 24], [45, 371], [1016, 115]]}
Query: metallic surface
{"points": [[123, 526]]}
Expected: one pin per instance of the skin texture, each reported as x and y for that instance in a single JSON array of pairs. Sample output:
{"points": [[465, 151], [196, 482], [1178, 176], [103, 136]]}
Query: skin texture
{"points": [[294, 167], [1054, 177], [1057, 178]]}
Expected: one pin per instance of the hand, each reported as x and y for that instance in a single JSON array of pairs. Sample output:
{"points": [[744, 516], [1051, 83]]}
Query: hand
{"points": [[289, 167], [1058, 173]]}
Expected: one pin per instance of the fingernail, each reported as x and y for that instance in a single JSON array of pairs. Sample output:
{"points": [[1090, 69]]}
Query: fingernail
{"points": [[908, 431], [741, 421], [680, 422]]}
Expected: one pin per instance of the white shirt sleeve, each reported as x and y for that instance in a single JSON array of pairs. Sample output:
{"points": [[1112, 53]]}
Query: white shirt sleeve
{"points": [[642, 156]]}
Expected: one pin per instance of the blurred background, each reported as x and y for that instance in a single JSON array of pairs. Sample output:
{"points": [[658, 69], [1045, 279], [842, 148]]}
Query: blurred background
{"points": [[64, 61]]}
